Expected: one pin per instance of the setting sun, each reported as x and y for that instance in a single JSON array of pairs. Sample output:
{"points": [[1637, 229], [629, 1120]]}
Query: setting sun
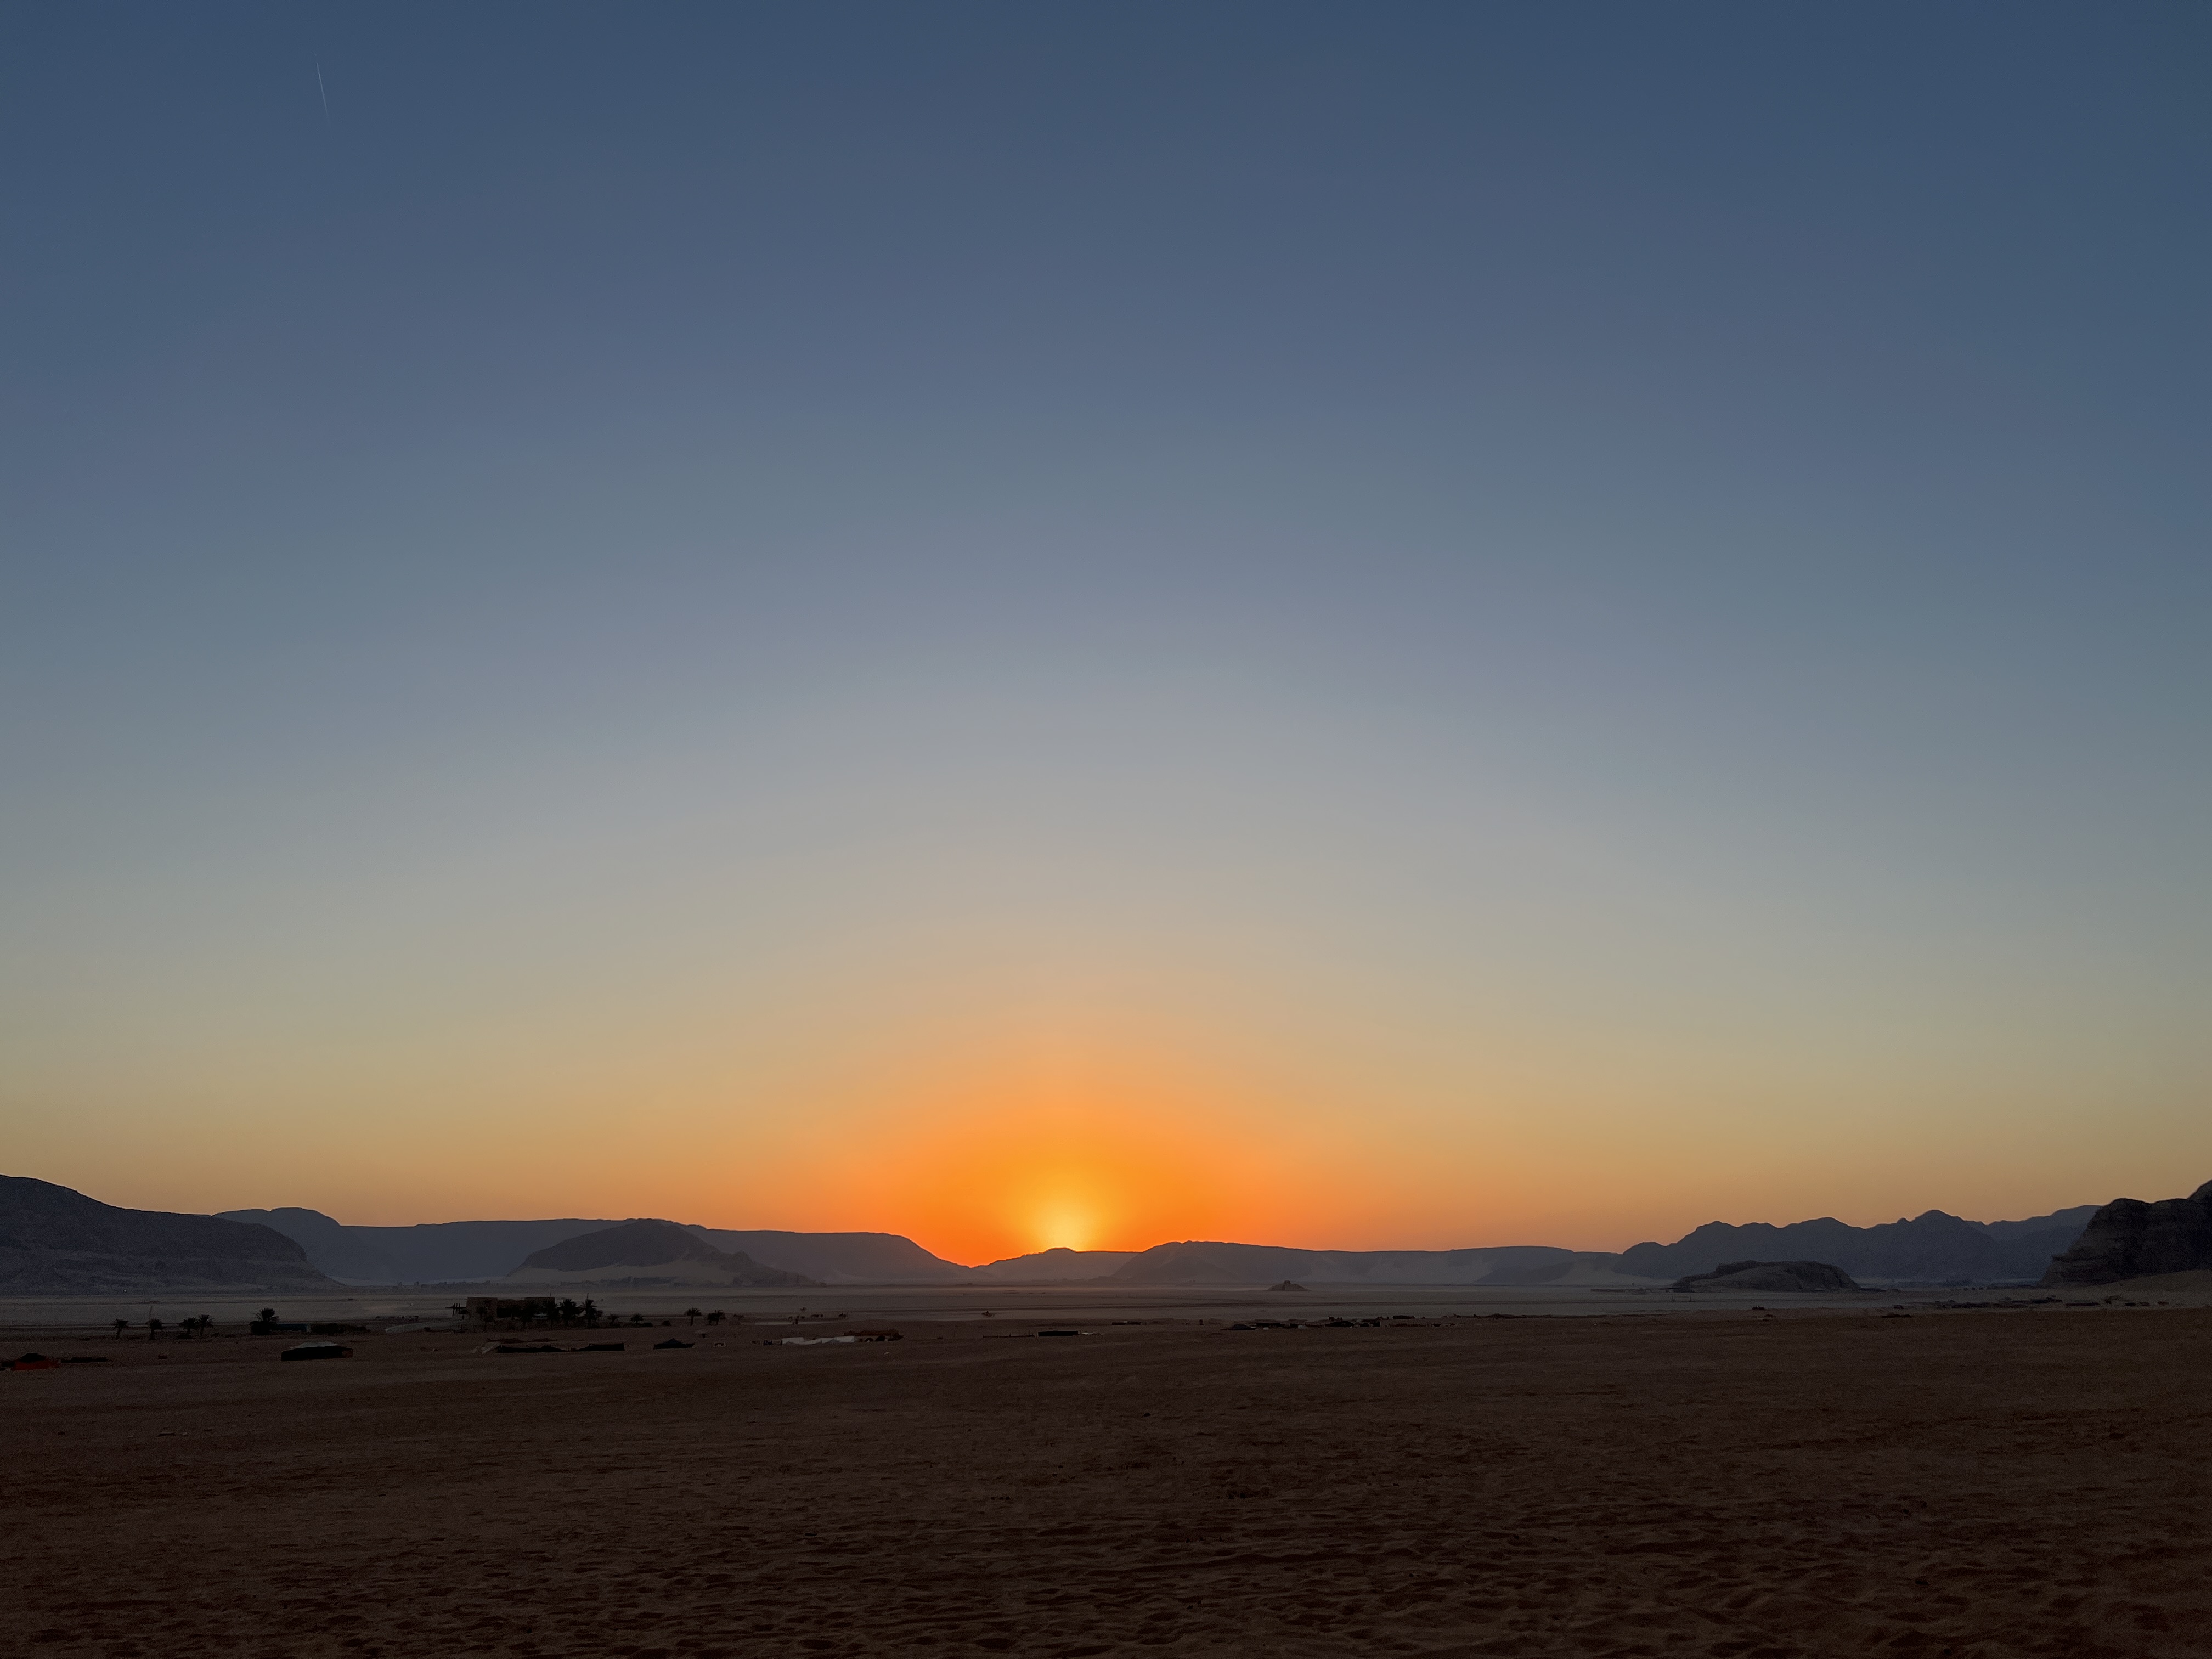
{"points": [[1103, 1147]]}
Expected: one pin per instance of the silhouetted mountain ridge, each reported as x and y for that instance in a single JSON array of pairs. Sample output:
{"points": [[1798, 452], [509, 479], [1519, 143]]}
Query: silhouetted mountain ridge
{"points": [[475, 1252], [1220, 1262], [54, 1238], [431, 1252], [1933, 1248]]}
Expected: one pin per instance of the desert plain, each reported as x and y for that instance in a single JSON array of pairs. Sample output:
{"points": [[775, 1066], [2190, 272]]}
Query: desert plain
{"points": [[1976, 1483]]}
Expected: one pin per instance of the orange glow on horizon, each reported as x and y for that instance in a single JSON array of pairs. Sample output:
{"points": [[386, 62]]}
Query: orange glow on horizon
{"points": [[1084, 1152]]}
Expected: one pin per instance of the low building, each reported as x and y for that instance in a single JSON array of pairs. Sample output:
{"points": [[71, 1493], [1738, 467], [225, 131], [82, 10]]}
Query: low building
{"points": [[490, 1310]]}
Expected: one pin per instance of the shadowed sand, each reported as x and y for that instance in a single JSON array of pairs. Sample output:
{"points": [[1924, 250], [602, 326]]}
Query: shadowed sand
{"points": [[1993, 1484]]}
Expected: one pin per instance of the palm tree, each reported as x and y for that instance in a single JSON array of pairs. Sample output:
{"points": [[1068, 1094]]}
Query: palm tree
{"points": [[153, 1329], [690, 1315], [121, 1325], [715, 1317], [591, 1313], [268, 1316]]}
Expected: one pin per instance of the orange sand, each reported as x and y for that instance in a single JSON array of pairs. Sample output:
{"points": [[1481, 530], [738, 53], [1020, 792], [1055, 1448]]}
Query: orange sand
{"points": [[1963, 1483]]}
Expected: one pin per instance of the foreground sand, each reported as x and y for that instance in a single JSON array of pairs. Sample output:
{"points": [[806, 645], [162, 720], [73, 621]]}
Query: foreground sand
{"points": [[1968, 1484]]}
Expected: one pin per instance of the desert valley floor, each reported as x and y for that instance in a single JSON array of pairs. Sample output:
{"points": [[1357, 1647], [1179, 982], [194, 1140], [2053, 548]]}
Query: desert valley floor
{"points": [[1988, 1483]]}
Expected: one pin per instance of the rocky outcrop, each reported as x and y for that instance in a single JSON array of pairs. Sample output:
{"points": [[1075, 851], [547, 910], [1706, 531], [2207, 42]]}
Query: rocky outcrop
{"points": [[657, 1250], [53, 1238], [1788, 1277], [2130, 1239]]}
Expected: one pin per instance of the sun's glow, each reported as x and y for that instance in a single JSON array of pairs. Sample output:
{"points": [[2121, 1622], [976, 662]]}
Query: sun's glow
{"points": [[1064, 1226], [1003, 1154]]}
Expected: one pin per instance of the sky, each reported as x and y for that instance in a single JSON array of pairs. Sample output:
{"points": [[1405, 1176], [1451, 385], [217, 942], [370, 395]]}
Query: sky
{"points": [[1359, 626]]}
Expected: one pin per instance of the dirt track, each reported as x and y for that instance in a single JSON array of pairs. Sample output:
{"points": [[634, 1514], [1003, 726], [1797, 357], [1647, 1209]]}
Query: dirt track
{"points": [[1983, 1484]]}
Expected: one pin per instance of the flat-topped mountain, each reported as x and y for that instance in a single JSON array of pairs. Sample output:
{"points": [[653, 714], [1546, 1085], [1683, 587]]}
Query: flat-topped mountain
{"points": [[2130, 1239], [659, 1251], [53, 1238]]}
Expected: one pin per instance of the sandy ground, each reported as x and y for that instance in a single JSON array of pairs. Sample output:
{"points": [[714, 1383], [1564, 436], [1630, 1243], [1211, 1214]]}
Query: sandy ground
{"points": [[1969, 1483]]}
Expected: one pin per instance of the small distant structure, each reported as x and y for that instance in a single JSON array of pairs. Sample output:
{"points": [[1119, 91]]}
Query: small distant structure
{"points": [[1286, 1285], [317, 1350], [491, 1310], [1784, 1276]]}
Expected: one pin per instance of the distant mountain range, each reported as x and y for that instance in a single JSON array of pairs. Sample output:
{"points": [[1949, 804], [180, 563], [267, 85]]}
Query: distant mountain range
{"points": [[434, 1253], [51, 1238], [1932, 1248], [1213, 1262], [473, 1252]]}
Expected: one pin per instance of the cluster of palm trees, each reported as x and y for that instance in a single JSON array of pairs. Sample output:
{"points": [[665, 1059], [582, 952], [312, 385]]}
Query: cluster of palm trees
{"points": [[567, 1311], [588, 1313]]}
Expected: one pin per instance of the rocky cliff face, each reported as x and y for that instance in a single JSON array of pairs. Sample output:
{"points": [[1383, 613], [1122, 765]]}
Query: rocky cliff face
{"points": [[54, 1239], [2129, 1239]]}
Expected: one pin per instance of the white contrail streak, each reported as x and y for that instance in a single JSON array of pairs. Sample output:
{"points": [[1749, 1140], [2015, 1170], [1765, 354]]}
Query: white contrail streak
{"points": [[324, 91]]}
